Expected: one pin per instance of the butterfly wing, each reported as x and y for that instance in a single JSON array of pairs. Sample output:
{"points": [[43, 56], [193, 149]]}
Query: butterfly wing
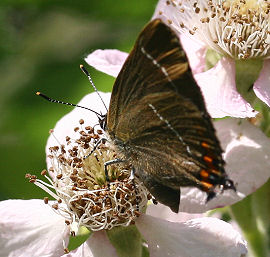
{"points": [[158, 120]]}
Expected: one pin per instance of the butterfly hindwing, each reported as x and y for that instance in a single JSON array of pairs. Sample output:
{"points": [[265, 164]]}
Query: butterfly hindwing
{"points": [[158, 120]]}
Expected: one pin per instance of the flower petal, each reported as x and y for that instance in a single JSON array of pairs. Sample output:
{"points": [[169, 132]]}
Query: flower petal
{"points": [[109, 61], [247, 157], [65, 126], [204, 237], [101, 245], [163, 10], [164, 212], [195, 52], [261, 86], [82, 250], [98, 245], [220, 93], [31, 228]]}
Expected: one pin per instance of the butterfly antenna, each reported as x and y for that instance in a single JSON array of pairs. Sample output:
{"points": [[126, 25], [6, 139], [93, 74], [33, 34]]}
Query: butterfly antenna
{"points": [[60, 102], [85, 71]]}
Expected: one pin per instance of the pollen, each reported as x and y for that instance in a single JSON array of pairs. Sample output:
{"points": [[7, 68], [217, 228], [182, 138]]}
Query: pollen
{"points": [[84, 194], [236, 28]]}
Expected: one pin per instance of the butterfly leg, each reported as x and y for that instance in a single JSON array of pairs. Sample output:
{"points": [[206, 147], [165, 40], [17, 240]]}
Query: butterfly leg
{"points": [[102, 140], [106, 164]]}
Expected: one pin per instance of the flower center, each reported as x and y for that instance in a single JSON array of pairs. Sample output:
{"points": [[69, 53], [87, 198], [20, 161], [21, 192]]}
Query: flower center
{"points": [[236, 28], [80, 186]]}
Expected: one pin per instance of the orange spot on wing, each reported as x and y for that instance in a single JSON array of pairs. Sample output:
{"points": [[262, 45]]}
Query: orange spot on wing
{"points": [[215, 172], [205, 145], [206, 186], [204, 174], [208, 159]]}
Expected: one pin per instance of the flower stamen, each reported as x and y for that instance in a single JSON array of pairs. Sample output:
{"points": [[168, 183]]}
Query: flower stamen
{"points": [[235, 28], [79, 184]]}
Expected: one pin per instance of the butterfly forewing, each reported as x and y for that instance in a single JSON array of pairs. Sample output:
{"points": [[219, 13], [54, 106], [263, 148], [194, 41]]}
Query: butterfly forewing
{"points": [[158, 120]]}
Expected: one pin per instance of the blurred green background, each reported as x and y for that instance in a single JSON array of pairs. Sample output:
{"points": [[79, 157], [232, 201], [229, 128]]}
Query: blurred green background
{"points": [[42, 43]]}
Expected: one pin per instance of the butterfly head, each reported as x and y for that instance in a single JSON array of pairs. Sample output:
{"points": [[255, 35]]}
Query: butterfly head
{"points": [[102, 120]]}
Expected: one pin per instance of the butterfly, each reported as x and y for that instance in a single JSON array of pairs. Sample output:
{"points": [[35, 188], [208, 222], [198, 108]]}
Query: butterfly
{"points": [[158, 121]]}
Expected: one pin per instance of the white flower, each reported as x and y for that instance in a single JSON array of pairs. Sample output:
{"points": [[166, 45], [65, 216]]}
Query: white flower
{"points": [[239, 32], [239, 29]]}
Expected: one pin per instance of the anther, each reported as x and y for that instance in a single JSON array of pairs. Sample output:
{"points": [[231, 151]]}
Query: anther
{"points": [[43, 173]]}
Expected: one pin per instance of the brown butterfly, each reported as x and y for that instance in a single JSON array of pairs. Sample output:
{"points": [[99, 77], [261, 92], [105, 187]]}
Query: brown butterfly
{"points": [[158, 120]]}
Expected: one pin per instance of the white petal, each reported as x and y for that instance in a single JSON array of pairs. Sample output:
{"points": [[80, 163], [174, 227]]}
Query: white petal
{"points": [[109, 61], [204, 237], [195, 52], [166, 12], [65, 126], [160, 7], [81, 251], [31, 228], [247, 157], [220, 93], [262, 85], [98, 245], [101, 245], [163, 212]]}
